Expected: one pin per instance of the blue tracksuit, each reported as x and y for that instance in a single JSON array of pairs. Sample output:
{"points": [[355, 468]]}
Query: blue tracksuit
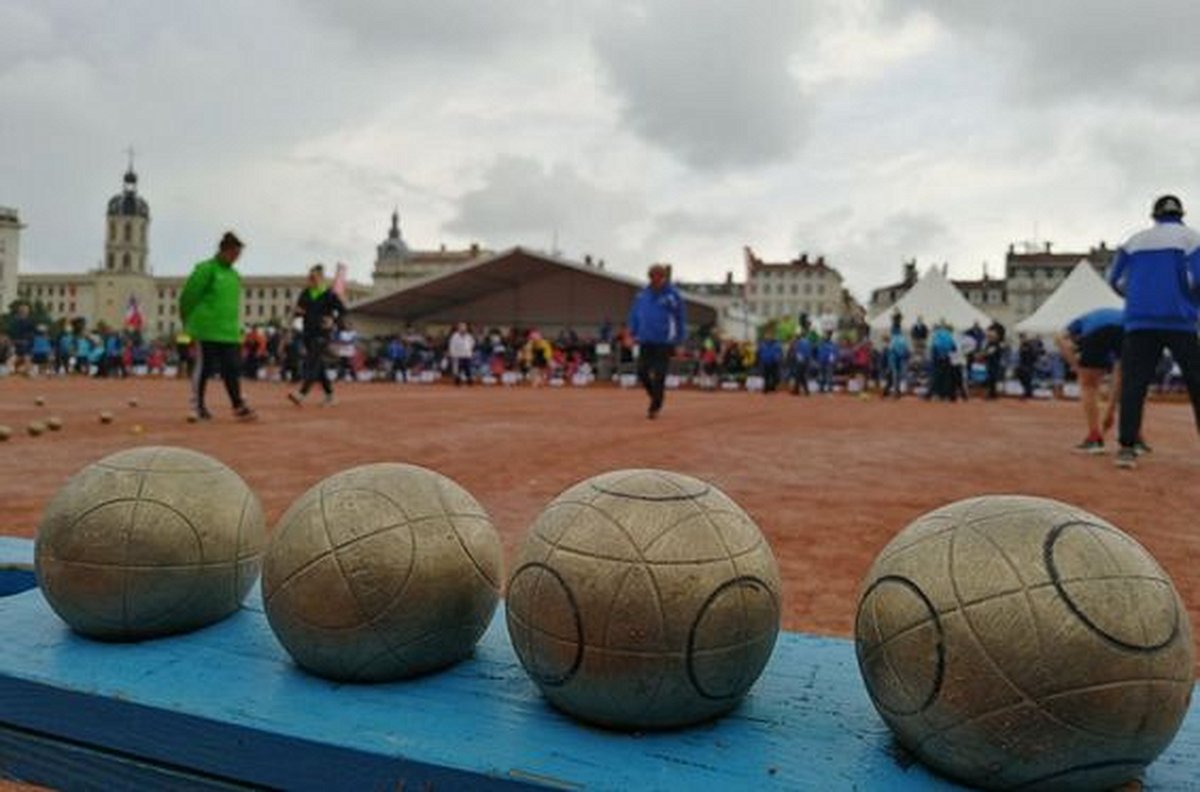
{"points": [[657, 317], [1158, 271]]}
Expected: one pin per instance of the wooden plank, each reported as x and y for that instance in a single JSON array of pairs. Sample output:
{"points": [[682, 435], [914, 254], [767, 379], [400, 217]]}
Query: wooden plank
{"points": [[64, 765], [227, 703]]}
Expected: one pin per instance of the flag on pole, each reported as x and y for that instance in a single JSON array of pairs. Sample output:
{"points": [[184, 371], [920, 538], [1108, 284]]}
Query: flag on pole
{"points": [[133, 315], [339, 281]]}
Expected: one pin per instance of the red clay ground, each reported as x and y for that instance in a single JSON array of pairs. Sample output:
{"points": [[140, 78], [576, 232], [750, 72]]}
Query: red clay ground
{"points": [[829, 479]]}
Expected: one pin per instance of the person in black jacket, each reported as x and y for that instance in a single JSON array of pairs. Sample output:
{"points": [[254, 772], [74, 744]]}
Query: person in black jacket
{"points": [[321, 311]]}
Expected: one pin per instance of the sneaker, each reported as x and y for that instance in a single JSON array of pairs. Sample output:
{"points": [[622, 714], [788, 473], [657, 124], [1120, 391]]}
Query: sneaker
{"points": [[652, 413], [329, 401], [244, 413], [1127, 457], [202, 415], [1091, 446], [1141, 448], [296, 398]]}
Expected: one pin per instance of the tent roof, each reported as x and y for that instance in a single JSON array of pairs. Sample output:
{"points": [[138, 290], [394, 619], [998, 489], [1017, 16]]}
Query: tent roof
{"points": [[937, 300], [1081, 291], [520, 287]]}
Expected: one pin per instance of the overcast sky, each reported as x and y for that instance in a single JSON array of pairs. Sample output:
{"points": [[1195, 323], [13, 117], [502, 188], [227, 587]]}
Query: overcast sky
{"points": [[868, 131]]}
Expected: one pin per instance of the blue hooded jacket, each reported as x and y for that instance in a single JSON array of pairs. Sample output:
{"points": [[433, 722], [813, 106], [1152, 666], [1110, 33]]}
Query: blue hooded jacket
{"points": [[770, 351], [657, 317], [1158, 272]]}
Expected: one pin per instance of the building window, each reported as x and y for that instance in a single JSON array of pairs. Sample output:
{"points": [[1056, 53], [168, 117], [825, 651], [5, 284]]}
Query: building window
{"points": [[110, 261], [128, 231], [821, 289], [125, 261], [260, 309], [795, 290], [72, 307]]}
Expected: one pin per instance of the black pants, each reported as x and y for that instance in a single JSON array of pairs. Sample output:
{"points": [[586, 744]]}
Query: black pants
{"points": [[1025, 375], [1140, 353], [800, 377], [995, 373], [770, 373], [958, 388], [314, 365], [652, 371], [213, 357]]}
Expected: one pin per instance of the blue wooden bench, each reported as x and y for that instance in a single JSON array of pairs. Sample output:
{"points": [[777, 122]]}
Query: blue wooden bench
{"points": [[224, 708]]}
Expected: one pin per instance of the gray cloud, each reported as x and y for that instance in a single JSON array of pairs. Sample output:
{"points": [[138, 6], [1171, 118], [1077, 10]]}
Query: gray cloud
{"points": [[465, 29], [709, 81], [869, 255], [1102, 49], [681, 223], [523, 202]]}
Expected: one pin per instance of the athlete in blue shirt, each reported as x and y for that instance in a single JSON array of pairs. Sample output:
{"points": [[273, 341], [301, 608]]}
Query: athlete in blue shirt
{"points": [[658, 323], [1158, 272], [1091, 344]]}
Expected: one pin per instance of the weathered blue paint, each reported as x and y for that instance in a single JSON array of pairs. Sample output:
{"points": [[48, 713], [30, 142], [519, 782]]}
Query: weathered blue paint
{"points": [[225, 706], [16, 566]]}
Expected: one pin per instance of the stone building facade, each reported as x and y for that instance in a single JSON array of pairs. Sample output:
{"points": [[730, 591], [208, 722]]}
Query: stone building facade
{"points": [[104, 295]]}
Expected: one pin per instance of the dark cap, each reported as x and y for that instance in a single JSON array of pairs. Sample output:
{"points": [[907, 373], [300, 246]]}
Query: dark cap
{"points": [[1167, 206], [230, 239]]}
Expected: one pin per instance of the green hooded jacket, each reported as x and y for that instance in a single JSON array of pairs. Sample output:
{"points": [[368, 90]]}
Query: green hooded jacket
{"points": [[210, 303]]}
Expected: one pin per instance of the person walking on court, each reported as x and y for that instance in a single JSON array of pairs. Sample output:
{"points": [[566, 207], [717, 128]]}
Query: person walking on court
{"points": [[321, 311], [1158, 272], [460, 349], [1091, 344], [658, 323], [210, 307]]}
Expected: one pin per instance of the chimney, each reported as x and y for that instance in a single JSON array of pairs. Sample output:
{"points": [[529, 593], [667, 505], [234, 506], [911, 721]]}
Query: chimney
{"points": [[474, 248], [729, 277], [1047, 246], [803, 259], [587, 260], [820, 261], [910, 272]]}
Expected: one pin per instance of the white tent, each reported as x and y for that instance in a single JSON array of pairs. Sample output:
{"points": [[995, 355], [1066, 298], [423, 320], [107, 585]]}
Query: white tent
{"points": [[1083, 290], [934, 299]]}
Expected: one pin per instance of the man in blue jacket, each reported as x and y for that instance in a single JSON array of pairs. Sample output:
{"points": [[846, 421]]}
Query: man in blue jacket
{"points": [[657, 322], [1158, 272]]}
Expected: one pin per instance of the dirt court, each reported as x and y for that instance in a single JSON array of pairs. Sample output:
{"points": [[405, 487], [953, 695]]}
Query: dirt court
{"points": [[828, 478]]}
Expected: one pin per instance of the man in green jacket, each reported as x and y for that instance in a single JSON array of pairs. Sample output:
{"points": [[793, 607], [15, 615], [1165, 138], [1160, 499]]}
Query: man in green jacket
{"points": [[210, 306]]}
